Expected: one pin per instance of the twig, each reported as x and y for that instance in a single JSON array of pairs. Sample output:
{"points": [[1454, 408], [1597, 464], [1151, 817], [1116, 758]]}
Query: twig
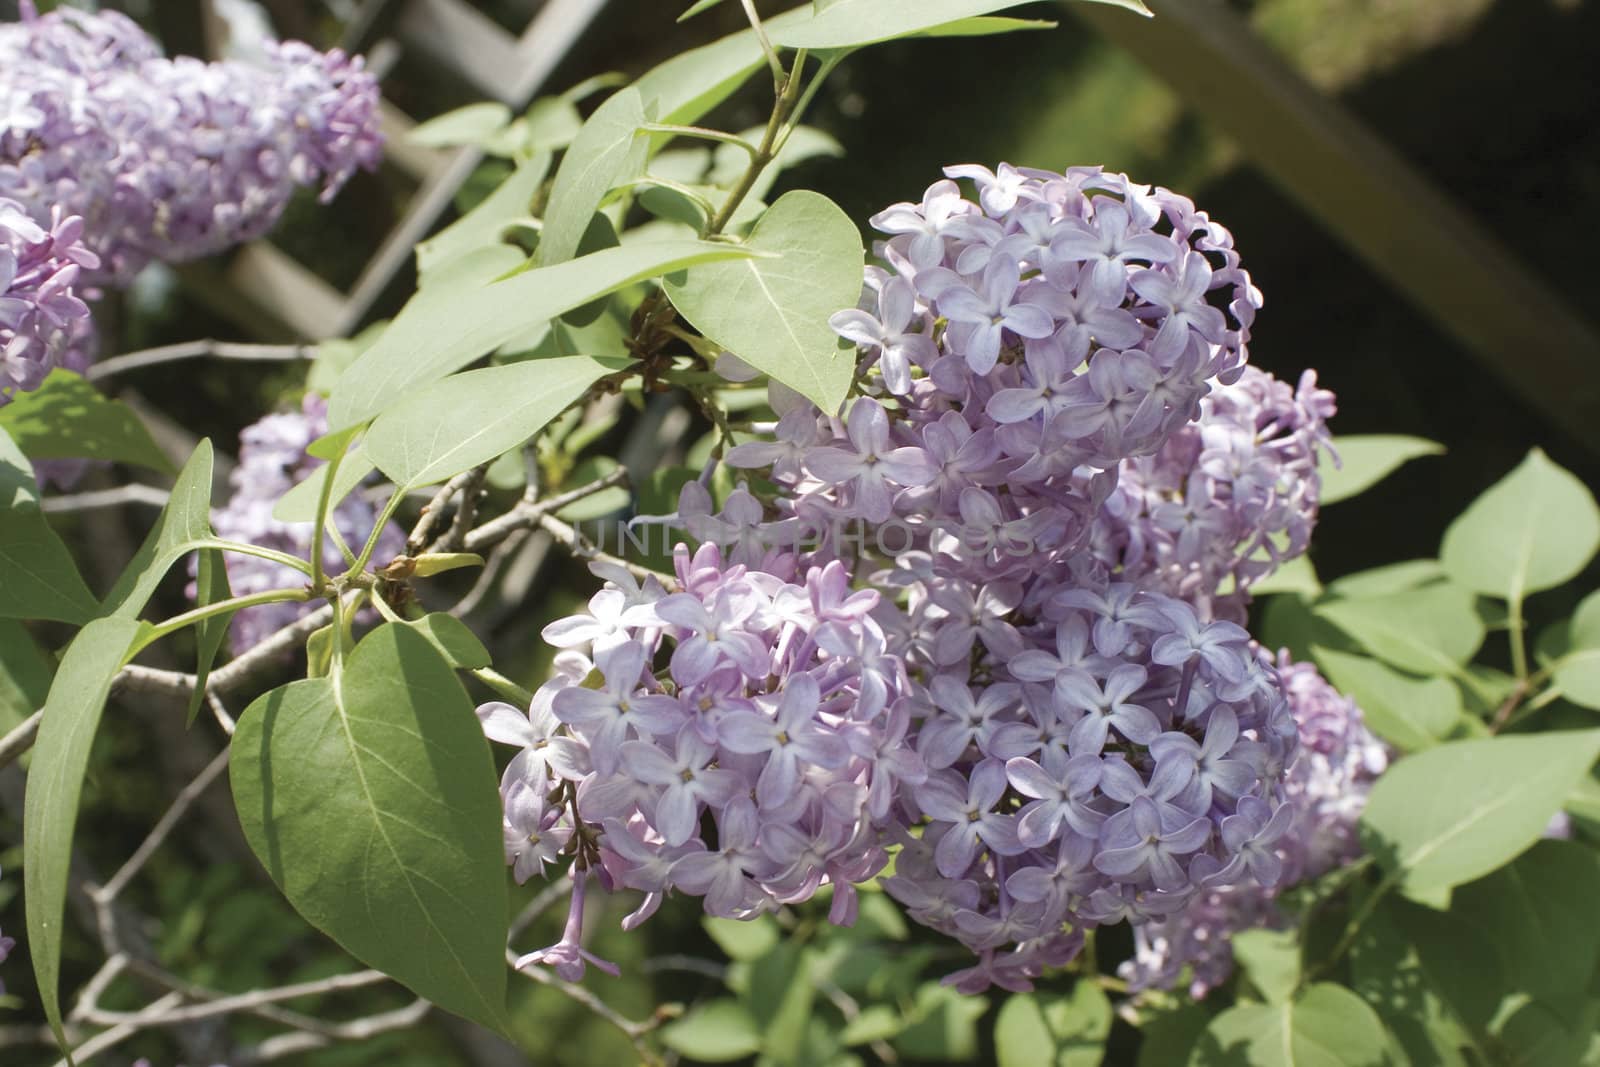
{"points": [[466, 511], [687, 964], [581, 547], [106, 498], [633, 1031], [163, 829], [117, 1034], [20, 739], [276, 1048], [199, 350], [431, 511], [527, 513]]}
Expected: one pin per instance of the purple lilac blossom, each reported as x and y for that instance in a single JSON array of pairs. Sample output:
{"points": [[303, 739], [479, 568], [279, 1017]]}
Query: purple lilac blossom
{"points": [[761, 762], [1051, 744], [42, 317], [272, 460], [1325, 792], [170, 159], [1227, 498]]}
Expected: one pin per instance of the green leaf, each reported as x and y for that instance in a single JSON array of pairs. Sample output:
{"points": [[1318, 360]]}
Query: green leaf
{"points": [[855, 23], [1386, 971], [452, 639], [334, 355], [470, 125], [432, 337], [184, 525], [1041, 1030], [1271, 959], [25, 673], [780, 996], [38, 578], [989, 26], [806, 142], [609, 150], [211, 587], [1539, 912], [773, 312], [743, 941], [484, 224], [1367, 459], [877, 1022], [943, 1025], [1534, 529], [67, 418], [1295, 576], [697, 7], [1432, 630], [1409, 713], [55, 779], [1577, 671], [1326, 1026], [1461, 809], [718, 1031], [369, 796], [1390, 578], [472, 417], [1169, 1035], [299, 504]]}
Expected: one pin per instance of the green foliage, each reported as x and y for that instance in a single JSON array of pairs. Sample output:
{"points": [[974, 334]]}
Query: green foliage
{"points": [[1576, 669], [850, 24], [1043, 1030], [1409, 713], [211, 587], [1459, 810], [61, 756], [1271, 961], [511, 201], [40, 581], [472, 417], [610, 149], [1325, 1025], [469, 125], [773, 310], [25, 674], [1534, 529], [369, 797], [433, 336], [1431, 630], [67, 418], [718, 1031], [183, 526], [1365, 460]]}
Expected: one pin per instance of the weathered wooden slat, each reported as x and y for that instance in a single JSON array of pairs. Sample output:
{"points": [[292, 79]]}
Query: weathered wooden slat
{"points": [[1404, 227], [270, 279], [467, 41]]}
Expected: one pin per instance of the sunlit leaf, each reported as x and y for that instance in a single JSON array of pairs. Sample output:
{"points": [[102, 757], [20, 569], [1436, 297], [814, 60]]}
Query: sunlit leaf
{"points": [[1459, 810], [55, 780], [1534, 529], [1367, 459], [773, 311], [369, 796], [67, 418]]}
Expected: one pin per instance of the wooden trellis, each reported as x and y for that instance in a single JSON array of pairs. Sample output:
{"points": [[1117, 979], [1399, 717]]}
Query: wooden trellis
{"points": [[268, 290]]}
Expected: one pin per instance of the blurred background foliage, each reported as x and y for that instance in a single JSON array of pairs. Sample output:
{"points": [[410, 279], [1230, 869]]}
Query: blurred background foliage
{"points": [[1493, 100]]}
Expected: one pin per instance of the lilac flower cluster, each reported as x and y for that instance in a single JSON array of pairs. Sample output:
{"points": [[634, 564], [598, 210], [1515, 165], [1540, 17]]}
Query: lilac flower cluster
{"points": [[741, 739], [1227, 498], [1066, 737], [272, 460], [170, 159], [41, 314], [1325, 792], [1118, 758]]}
